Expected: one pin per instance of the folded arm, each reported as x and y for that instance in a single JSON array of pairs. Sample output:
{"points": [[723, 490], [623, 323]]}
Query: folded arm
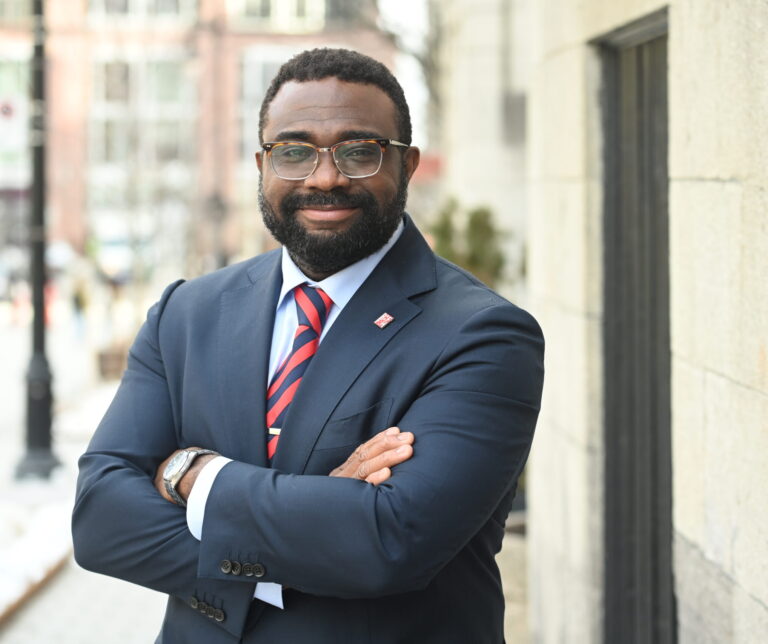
{"points": [[473, 422], [122, 526]]}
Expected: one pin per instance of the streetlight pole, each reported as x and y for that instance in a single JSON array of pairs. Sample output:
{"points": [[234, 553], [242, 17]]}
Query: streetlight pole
{"points": [[39, 459]]}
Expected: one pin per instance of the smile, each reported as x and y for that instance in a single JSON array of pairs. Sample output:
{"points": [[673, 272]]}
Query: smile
{"points": [[326, 213]]}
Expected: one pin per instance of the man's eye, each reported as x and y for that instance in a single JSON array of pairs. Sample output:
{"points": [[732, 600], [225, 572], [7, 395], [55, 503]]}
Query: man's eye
{"points": [[359, 152], [294, 153]]}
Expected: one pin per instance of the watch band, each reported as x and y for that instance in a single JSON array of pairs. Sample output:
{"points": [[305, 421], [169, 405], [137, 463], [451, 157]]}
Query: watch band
{"points": [[171, 489], [170, 483]]}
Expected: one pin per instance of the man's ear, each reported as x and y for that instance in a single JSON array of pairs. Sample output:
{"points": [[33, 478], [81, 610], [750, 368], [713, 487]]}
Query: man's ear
{"points": [[412, 157], [259, 160]]}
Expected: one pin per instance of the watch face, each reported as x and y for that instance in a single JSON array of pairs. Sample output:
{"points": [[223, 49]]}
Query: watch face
{"points": [[175, 464]]}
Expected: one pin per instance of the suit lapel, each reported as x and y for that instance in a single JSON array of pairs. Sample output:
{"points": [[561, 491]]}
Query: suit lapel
{"points": [[353, 342], [244, 340]]}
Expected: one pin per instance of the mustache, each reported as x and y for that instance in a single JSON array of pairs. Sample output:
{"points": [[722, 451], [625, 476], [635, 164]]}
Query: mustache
{"points": [[340, 199]]}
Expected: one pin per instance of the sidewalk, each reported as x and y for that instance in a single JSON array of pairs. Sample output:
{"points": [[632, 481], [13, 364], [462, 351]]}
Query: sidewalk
{"points": [[35, 515], [39, 580], [513, 564]]}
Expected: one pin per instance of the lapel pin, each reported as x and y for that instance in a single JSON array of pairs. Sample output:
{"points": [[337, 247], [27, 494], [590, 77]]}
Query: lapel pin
{"points": [[383, 320]]}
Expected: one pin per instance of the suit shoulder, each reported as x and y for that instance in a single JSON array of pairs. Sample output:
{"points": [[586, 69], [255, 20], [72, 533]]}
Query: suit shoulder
{"points": [[454, 278], [468, 295], [203, 290]]}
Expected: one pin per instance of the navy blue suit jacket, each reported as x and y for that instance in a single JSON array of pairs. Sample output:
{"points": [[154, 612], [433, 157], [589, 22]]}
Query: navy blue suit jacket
{"points": [[409, 561]]}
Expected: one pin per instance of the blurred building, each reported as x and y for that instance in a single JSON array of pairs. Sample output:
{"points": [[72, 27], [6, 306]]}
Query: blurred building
{"points": [[153, 120], [481, 69]]}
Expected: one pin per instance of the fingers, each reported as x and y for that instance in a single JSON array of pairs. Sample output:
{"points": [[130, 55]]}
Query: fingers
{"points": [[377, 478], [372, 461], [386, 459], [383, 450]]}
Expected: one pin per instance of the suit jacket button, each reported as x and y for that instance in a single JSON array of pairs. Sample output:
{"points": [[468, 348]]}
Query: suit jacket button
{"points": [[226, 566], [210, 611], [236, 568], [193, 603], [219, 615], [248, 569], [202, 607], [259, 570]]}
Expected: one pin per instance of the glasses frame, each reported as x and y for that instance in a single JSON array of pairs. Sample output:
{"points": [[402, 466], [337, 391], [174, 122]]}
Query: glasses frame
{"points": [[383, 144]]}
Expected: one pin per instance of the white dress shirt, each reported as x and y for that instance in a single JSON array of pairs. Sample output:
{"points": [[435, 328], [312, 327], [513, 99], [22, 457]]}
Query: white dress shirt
{"points": [[340, 287]]}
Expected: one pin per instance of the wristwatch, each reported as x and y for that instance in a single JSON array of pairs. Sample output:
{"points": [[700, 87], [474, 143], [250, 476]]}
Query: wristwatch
{"points": [[178, 467]]}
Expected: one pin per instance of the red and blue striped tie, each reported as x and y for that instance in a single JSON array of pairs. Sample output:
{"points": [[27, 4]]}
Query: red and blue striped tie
{"points": [[312, 307]]}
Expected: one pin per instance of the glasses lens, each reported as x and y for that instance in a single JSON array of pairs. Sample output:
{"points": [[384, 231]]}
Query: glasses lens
{"points": [[293, 160], [358, 158]]}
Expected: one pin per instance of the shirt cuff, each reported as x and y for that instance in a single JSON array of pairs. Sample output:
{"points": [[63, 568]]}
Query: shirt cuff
{"points": [[198, 497], [270, 593]]}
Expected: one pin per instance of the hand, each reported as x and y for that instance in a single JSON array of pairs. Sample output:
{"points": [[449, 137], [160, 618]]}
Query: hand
{"points": [[372, 461], [184, 487]]}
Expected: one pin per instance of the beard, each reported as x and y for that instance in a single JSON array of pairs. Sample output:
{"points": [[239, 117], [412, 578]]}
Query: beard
{"points": [[328, 253]]}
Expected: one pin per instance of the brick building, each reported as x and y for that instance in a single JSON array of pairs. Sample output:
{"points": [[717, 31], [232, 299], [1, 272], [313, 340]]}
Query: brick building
{"points": [[153, 120]]}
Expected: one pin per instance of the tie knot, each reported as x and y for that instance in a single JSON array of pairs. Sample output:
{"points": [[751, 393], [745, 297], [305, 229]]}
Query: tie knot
{"points": [[312, 306]]}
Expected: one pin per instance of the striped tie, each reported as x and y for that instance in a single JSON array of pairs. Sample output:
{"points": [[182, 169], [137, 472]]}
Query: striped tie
{"points": [[312, 307]]}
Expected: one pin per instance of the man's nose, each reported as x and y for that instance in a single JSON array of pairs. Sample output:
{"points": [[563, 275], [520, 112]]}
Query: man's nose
{"points": [[326, 175]]}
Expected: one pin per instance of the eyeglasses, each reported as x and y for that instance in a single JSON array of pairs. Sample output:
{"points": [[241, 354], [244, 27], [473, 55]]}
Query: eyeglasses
{"points": [[357, 159]]}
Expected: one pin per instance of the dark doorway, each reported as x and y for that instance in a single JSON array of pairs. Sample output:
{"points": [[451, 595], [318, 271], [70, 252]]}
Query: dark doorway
{"points": [[639, 595]]}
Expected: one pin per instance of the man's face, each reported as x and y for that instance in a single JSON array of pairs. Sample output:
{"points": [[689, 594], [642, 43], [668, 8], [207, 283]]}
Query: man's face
{"points": [[328, 221]]}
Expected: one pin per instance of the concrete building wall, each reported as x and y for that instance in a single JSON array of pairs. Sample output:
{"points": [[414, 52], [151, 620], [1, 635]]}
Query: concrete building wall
{"points": [[719, 250], [718, 138]]}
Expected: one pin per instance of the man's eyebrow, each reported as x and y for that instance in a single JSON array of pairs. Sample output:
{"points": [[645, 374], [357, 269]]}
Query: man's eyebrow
{"points": [[293, 135], [346, 135], [360, 134]]}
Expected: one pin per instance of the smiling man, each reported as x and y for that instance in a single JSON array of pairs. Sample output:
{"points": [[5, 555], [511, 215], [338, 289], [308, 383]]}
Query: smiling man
{"points": [[321, 444]]}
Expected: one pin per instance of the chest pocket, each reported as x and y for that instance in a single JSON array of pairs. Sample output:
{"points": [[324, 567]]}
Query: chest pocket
{"points": [[341, 436]]}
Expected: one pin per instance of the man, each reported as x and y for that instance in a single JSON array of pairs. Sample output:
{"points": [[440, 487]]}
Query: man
{"points": [[353, 352]]}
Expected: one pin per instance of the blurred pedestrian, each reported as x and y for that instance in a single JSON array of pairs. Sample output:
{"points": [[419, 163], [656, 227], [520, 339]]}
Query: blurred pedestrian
{"points": [[79, 305]]}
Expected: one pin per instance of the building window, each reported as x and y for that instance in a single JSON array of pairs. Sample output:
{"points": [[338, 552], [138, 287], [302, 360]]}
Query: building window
{"points": [[115, 6], [256, 75], [14, 117], [131, 9], [116, 84], [164, 6], [258, 8], [285, 16], [170, 141], [15, 173], [15, 9], [165, 82], [339, 10], [115, 141], [142, 119]]}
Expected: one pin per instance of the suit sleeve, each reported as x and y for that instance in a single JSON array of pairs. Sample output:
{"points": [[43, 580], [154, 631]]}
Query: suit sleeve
{"points": [[473, 421], [121, 526]]}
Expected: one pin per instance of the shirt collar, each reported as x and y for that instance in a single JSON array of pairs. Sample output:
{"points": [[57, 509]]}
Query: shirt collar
{"points": [[340, 286]]}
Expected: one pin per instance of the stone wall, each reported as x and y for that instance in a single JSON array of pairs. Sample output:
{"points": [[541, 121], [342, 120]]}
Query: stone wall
{"points": [[719, 306], [718, 137]]}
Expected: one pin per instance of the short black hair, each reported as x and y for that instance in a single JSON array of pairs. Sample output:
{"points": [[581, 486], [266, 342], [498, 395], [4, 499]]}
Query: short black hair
{"points": [[346, 65]]}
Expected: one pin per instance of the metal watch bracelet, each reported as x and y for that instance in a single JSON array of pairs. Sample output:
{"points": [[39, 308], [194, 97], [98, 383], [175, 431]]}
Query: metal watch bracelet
{"points": [[170, 486]]}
